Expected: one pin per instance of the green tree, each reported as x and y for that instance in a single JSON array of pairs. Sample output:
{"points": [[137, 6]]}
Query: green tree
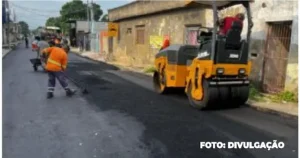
{"points": [[77, 10], [104, 18], [97, 11], [24, 27], [36, 31], [73, 10], [54, 21]]}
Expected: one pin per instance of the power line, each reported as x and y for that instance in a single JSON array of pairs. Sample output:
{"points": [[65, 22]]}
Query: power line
{"points": [[34, 9], [29, 10]]}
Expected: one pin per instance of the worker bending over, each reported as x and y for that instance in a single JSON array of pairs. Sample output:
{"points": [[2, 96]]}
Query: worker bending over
{"points": [[34, 43], [56, 65], [42, 44], [226, 23]]}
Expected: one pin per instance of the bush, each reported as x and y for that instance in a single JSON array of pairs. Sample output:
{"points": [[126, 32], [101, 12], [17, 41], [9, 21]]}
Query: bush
{"points": [[286, 96], [150, 70], [254, 94]]}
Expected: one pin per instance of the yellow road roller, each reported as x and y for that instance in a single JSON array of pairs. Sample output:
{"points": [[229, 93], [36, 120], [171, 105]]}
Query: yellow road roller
{"points": [[213, 73]]}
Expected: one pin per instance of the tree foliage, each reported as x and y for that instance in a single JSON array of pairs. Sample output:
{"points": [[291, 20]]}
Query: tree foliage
{"points": [[97, 11], [36, 31], [24, 27], [77, 10], [74, 10], [54, 21]]}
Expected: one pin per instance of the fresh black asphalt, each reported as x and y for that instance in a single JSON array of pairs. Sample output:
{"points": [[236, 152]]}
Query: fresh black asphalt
{"points": [[121, 117]]}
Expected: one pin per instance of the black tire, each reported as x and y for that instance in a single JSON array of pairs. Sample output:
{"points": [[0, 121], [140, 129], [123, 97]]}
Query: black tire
{"points": [[239, 95], [157, 84], [223, 96], [209, 96]]}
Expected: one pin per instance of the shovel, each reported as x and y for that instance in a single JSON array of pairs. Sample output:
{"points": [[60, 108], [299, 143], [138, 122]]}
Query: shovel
{"points": [[83, 89]]}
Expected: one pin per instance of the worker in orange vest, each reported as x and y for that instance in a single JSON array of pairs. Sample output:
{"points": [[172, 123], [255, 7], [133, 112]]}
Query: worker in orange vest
{"points": [[57, 42], [55, 66], [166, 43]]}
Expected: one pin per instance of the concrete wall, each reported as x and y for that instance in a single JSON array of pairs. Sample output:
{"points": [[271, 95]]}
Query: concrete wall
{"points": [[279, 10], [84, 26], [172, 24], [14, 34], [142, 8]]}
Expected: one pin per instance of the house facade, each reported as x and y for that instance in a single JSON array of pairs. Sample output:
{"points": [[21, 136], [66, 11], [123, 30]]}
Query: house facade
{"points": [[144, 24], [11, 30]]}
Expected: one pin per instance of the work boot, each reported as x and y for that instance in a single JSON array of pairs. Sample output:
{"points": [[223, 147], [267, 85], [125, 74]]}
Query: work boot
{"points": [[49, 95], [70, 92]]}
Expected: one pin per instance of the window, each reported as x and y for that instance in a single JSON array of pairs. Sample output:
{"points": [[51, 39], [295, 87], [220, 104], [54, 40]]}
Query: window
{"points": [[191, 35], [140, 34], [128, 31]]}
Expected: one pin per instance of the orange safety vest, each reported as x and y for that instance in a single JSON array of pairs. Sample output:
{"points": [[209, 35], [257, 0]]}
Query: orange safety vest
{"points": [[57, 59]]}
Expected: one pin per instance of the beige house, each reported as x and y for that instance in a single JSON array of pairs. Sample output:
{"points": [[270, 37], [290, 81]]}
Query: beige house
{"points": [[143, 25], [14, 33]]}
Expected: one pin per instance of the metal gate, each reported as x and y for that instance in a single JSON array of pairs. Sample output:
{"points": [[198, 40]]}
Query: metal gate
{"points": [[276, 56]]}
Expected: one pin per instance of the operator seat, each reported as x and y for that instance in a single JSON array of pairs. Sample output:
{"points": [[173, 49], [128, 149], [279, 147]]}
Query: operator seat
{"points": [[204, 38], [233, 36], [206, 35]]}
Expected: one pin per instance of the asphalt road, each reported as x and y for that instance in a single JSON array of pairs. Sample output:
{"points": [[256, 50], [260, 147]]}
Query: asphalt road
{"points": [[122, 117]]}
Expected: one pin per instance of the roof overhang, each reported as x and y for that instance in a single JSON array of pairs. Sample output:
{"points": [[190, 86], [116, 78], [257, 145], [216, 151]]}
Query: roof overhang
{"points": [[52, 28], [220, 4]]}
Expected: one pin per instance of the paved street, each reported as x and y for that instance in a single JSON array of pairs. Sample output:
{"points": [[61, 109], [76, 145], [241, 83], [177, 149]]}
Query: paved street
{"points": [[122, 117]]}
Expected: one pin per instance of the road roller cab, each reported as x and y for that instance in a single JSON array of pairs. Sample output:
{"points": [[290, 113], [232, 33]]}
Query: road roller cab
{"points": [[215, 72]]}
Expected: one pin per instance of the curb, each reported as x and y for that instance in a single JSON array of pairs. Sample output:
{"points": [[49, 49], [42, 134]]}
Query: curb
{"points": [[6, 53], [85, 57], [249, 103], [3, 56], [271, 111]]}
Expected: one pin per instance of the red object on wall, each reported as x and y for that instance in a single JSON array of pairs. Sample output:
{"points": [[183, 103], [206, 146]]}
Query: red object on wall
{"points": [[102, 34], [166, 42]]}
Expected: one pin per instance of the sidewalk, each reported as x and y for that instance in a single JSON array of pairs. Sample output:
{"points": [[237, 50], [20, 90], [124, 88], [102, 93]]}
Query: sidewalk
{"points": [[5, 52], [90, 55], [284, 109], [5, 49]]}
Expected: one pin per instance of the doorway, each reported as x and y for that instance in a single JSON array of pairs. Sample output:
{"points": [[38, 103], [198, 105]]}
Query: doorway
{"points": [[276, 52]]}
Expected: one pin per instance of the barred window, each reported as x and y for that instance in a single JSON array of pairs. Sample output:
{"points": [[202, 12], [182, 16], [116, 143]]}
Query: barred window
{"points": [[140, 34]]}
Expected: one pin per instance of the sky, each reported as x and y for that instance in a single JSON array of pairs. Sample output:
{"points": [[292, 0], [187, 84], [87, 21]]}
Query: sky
{"points": [[36, 12]]}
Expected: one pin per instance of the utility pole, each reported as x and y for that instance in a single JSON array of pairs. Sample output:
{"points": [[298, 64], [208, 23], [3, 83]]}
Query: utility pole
{"points": [[8, 26], [92, 43], [88, 22], [87, 11]]}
